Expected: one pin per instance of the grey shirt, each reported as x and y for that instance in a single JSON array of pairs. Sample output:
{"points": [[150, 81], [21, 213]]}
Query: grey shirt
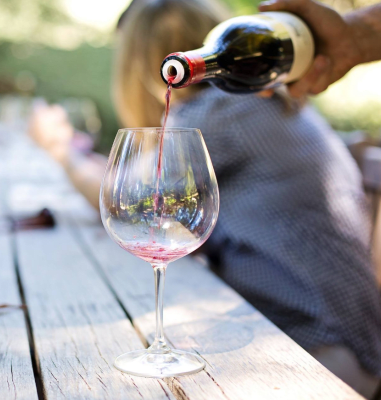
{"points": [[293, 234]]}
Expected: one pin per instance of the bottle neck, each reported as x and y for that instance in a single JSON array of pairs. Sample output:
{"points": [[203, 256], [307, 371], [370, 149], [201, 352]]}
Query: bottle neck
{"points": [[189, 67]]}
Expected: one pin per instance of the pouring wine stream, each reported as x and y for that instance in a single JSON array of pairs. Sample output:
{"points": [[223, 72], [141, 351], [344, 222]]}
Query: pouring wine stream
{"points": [[160, 158]]}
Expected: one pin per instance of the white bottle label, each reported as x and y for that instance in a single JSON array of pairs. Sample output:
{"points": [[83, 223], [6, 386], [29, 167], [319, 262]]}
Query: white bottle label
{"points": [[302, 40]]}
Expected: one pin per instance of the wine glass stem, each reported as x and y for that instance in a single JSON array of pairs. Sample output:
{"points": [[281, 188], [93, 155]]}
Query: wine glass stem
{"points": [[159, 345]]}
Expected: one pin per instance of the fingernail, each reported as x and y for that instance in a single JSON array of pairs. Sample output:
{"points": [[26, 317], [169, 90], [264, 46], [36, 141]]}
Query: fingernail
{"points": [[267, 3]]}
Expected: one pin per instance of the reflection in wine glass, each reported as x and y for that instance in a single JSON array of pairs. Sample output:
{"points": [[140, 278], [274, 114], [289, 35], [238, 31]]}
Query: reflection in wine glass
{"points": [[159, 216]]}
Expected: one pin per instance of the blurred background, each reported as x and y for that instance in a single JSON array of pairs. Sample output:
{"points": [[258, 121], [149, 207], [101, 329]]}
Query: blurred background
{"points": [[61, 51]]}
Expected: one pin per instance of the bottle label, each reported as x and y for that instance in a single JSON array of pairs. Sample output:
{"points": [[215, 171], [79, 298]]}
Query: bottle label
{"points": [[302, 40]]}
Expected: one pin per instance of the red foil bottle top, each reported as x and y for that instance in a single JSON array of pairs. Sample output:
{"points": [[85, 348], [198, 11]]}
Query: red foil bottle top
{"points": [[185, 68], [197, 66]]}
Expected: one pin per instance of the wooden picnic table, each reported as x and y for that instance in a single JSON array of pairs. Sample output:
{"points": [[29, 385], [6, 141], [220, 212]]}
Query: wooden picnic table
{"points": [[88, 301]]}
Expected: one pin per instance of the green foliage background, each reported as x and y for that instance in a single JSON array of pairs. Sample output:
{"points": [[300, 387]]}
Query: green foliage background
{"points": [[84, 72], [80, 66], [28, 44]]}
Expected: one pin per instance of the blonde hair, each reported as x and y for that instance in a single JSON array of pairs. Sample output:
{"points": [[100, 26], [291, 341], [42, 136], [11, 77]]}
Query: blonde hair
{"points": [[151, 30]]}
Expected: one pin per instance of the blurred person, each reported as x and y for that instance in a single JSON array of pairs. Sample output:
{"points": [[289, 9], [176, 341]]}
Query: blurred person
{"points": [[50, 127], [342, 41], [146, 32], [293, 235]]}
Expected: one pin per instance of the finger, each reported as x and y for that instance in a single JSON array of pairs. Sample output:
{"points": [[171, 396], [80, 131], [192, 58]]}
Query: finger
{"points": [[302, 87], [322, 83], [281, 5], [58, 111], [271, 5], [265, 94]]}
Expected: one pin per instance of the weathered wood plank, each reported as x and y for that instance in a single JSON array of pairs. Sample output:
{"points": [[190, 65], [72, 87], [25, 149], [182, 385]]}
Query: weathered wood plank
{"points": [[79, 327], [247, 356], [16, 373]]}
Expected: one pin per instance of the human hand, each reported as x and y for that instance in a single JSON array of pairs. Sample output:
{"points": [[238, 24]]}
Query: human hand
{"points": [[49, 126], [337, 50]]}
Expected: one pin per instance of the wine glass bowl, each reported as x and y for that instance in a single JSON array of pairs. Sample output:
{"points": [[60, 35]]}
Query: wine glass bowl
{"points": [[159, 201], [159, 220]]}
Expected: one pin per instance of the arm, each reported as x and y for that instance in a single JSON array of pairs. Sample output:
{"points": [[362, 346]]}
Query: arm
{"points": [[86, 173], [51, 130], [341, 41]]}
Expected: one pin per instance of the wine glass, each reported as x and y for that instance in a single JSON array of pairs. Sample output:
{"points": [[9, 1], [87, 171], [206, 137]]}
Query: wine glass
{"points": [[159, 201]]}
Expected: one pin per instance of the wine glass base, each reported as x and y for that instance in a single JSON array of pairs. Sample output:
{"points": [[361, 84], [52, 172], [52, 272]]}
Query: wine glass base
{"points": [[162, 365]]}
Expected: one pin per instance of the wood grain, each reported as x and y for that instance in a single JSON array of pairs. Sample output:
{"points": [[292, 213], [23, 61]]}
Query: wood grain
{"points": [[73, 278], [16, 373], [247, 356], [79, 327]]}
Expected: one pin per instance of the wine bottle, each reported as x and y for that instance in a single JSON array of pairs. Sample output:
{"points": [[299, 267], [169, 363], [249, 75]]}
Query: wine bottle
{"points": [[246, 54]]}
